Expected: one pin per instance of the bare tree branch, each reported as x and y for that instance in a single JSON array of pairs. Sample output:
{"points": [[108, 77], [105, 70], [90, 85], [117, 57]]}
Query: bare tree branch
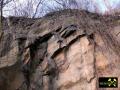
{"points": [[36, 10], [5, 3]]}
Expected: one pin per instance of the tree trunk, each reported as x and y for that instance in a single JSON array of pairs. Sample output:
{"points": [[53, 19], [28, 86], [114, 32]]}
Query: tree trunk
{"points": [[1, 19]]}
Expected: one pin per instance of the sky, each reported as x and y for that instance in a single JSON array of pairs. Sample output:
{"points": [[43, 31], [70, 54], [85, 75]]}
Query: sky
{"points": [[99, 3], [102, 6]]}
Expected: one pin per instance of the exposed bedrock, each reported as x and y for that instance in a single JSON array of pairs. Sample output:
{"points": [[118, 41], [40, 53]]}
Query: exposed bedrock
{"points": [[65, 50]]}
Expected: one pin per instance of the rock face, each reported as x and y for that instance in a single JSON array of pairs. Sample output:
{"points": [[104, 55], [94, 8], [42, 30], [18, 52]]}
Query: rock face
{"points": [[65, 50]]}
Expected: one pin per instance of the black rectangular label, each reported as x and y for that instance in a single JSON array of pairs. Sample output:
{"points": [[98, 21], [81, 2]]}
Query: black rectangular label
{"points": [[108, 82]]}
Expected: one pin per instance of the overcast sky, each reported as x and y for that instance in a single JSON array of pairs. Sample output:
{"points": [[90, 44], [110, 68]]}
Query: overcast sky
{"points": [[99, 3]]}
